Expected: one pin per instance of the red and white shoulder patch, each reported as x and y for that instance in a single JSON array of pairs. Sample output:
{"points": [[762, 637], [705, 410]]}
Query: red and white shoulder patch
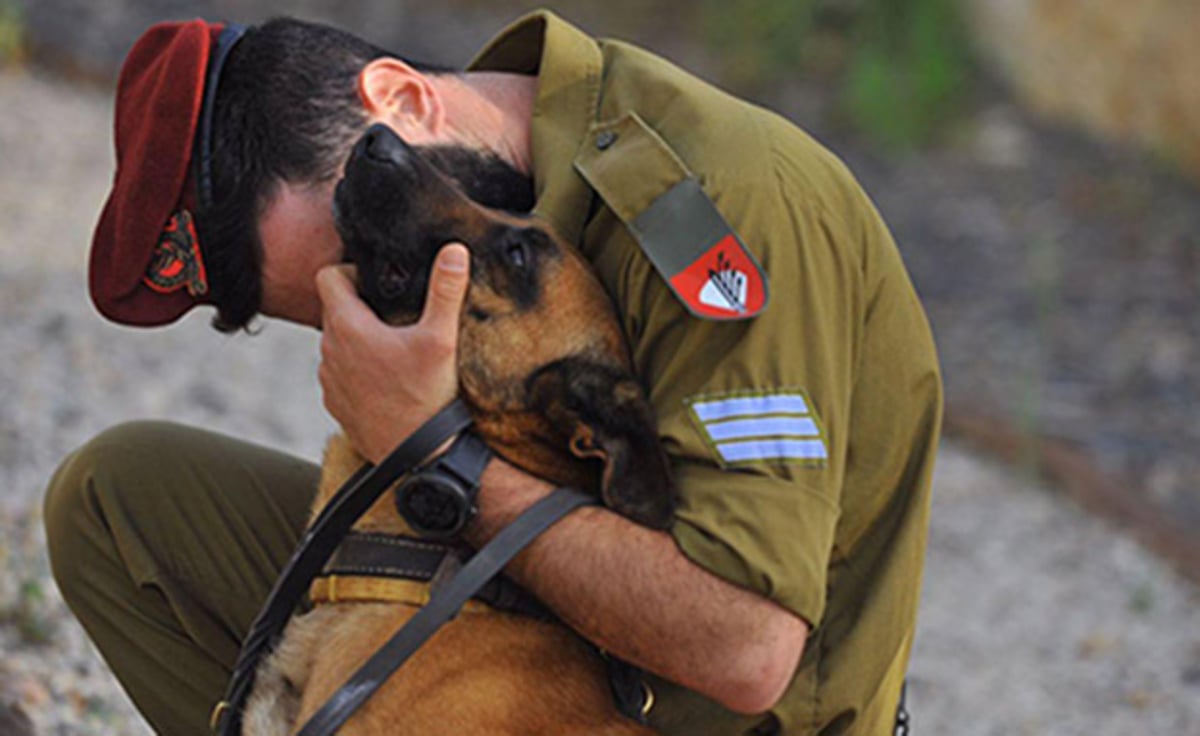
{"points": [[724, 283], [700, 256]]}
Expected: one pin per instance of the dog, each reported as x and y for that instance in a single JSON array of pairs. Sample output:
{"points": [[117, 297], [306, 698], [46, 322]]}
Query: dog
{"points": [[545, 371]]}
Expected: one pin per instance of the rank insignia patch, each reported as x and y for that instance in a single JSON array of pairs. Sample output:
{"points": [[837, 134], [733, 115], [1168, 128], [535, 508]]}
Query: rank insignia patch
{"points": [[177, 263], [703, 260], [770, 427]]}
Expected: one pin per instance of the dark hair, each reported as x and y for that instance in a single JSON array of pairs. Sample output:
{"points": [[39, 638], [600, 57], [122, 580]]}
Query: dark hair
{"points": [[287, 110]]}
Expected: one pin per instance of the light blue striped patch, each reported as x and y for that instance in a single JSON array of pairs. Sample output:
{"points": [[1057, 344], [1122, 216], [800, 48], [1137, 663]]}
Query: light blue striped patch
{"points": [[709, 411], [780, 426], [772, 449], [740, 429]]}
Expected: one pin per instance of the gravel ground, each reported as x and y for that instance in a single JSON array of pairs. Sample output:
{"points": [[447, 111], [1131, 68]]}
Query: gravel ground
{"points": [[1037, 619]]}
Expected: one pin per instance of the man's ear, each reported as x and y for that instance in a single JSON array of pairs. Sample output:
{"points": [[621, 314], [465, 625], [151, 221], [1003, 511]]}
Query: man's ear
{"points": [[402, 97]]}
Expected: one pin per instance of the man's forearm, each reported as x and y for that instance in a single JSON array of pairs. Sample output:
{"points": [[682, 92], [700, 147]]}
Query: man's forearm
{"points": [[631, 590]]}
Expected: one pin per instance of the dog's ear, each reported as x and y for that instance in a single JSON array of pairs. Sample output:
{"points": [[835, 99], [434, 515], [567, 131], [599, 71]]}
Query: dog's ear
{"points": [[605, 415]]}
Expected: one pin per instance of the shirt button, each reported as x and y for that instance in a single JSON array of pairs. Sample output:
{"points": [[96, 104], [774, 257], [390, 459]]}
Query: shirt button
{"points": [[605, 140]]}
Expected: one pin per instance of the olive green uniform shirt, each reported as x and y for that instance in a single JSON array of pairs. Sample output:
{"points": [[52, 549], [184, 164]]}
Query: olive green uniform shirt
{"points": [[836, 536]]}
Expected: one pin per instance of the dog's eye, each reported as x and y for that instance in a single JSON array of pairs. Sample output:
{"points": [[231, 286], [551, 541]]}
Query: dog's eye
{"points": [[393, 280], [517, 254]]}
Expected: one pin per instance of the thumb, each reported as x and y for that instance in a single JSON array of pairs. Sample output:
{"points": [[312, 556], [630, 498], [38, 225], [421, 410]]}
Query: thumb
{"points": [[337, 290], [335, 283], [447, 288]]}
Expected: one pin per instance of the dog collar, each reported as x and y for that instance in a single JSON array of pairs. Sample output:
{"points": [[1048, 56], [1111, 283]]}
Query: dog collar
{"points": [[368, 589]]}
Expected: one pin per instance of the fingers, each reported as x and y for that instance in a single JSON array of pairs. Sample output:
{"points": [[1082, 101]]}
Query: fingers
{"points": [[381, 381], [447, 289], [448, 282]]}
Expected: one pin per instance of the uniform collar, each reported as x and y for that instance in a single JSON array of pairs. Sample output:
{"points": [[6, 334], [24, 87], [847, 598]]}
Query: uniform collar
{"points": [[568, 65]]}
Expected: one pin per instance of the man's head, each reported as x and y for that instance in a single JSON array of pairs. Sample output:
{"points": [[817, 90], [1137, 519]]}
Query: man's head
{"points": [[290, 101]]}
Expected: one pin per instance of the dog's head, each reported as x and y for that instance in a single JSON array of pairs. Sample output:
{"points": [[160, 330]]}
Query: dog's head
{"points": [[394, 210], [542, 359]]}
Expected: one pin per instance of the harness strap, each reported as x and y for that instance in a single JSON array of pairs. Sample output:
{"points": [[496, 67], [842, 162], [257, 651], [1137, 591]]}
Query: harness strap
{"points": [[352, 500], [443, 606], [398, 557], [389, 555]]}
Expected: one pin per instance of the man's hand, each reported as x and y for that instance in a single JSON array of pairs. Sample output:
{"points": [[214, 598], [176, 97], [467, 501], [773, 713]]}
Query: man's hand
{"points": [[381, 383]]}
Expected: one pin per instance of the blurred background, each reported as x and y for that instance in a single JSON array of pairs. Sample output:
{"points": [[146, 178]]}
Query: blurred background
{"points": [[1039, 164]]}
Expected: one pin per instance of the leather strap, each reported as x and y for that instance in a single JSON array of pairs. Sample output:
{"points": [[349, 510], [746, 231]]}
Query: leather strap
{"points": [[392, 556], [438, 500], [631, 693], [229, 38], [442, 607], [466, 459], [352, 500]]}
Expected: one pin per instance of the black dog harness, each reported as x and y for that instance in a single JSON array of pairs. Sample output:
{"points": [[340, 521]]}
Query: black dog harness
{"points": [[329, 531]]}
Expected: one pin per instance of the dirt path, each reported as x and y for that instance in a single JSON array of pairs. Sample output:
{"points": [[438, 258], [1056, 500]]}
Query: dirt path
{"points": [[1036, 618]]}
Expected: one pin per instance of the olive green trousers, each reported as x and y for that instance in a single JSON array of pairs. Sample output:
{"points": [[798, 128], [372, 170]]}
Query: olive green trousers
{"points": [[165, 540]]}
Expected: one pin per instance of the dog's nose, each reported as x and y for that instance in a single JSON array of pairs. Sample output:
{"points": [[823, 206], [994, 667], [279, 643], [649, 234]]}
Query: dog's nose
{"points": [[379, 143]]}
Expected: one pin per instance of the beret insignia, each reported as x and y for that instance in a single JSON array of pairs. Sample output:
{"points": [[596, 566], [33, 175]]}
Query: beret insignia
{"points": [[177, 263]]}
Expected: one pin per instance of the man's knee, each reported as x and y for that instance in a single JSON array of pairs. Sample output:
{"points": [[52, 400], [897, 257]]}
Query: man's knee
{"points": [[120, 465]]}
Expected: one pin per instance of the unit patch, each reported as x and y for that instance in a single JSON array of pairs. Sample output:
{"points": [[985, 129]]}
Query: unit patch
{"points": [[177, 263], [722, 284], [700, 256], [754, 427]]}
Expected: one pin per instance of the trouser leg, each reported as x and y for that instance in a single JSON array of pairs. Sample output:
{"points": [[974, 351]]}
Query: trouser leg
{"points": [[164, 541]]}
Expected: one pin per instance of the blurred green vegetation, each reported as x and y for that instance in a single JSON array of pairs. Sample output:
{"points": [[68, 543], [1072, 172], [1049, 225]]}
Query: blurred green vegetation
{"points": [[29, 614], [900, 68], [12, 33], [1141, 598]]}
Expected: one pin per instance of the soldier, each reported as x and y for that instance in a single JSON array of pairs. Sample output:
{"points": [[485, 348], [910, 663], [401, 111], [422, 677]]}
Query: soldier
{"points": [[783, 348]]}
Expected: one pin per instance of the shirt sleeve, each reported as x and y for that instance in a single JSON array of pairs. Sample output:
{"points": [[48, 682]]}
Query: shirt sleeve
{"points": [[755, 413]]}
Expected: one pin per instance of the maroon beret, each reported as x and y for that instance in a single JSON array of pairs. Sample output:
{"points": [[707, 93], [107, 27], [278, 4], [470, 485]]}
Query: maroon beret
{"points": [[147, 263]]}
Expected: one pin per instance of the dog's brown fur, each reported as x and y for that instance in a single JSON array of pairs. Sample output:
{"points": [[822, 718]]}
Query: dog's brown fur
{"points": [[550, 388]]}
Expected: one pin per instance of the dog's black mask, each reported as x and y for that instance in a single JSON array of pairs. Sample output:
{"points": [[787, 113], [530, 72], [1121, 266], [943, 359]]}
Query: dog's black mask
{"points": [[397, 205]]}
